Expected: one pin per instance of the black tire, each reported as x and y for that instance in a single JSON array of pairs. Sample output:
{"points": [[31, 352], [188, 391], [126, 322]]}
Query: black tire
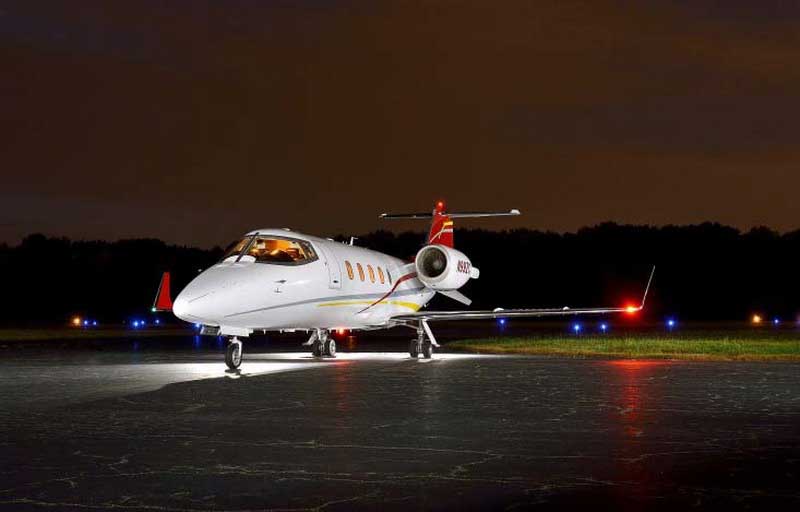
{"points": [[330, 347], [233, 355], [412, 349], [316, 349], [427, 350]]}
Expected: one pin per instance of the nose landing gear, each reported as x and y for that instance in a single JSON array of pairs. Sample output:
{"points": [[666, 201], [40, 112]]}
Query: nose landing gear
{"points": [[233, 353]]}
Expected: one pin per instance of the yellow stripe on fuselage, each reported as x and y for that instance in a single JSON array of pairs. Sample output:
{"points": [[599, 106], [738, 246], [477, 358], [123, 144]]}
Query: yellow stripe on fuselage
{"points": [[410, 305]]}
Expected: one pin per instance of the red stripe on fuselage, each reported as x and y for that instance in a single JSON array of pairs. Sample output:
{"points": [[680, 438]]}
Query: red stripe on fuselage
{"points": [[406, 277]]}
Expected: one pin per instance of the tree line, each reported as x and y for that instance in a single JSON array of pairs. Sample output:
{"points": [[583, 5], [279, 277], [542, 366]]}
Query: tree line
{"points": [[704, 272]]}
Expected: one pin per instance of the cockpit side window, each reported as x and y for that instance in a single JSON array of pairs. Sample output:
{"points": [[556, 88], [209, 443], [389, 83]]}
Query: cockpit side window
{"points": [[284, 251], [233, 251]]}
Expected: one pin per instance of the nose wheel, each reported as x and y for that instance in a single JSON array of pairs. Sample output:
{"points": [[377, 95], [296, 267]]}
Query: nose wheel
{"points": [[233, 354]]}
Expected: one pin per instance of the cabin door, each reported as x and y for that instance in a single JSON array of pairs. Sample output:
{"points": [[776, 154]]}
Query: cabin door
{"points": [[334, 270]]}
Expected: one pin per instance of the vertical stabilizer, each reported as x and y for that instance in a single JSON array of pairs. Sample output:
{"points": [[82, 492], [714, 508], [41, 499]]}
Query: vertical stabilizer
{"points": [[441, 227]]}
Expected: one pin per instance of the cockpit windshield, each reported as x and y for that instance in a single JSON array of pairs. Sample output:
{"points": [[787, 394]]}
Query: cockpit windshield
{"points": [[233, 251], [271, 249]]}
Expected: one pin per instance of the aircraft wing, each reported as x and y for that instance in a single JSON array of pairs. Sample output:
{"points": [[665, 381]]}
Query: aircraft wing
{"points": [[512, 313]]}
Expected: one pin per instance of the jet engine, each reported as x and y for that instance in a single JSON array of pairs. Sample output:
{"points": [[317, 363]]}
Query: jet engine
{"points": [[443, 268]]}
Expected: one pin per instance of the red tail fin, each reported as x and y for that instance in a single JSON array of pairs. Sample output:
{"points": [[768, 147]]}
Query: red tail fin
{"points": [[441, 227], [163, 300]]}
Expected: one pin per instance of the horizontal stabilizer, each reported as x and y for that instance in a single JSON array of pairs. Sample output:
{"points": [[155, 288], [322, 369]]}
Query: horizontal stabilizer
{"points": [[457, 215], [456, 296]]}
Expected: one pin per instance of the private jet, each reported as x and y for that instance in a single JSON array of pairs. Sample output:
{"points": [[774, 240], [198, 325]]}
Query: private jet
{"points": [[282, 280]]}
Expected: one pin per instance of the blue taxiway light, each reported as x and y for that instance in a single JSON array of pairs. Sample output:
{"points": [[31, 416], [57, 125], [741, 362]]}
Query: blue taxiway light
{"points": [[776, 321], [671, 322], [94, 323], [501, 321], [158, 322], [604, 327], [576, 328]]}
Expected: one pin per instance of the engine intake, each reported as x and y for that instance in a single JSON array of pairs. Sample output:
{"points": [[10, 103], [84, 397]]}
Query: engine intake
{"points": [[443, 268]]}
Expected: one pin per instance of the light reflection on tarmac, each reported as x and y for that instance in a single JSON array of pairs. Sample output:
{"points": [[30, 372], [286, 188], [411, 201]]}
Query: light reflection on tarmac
{"points": [[48, 379], [160, 429]]}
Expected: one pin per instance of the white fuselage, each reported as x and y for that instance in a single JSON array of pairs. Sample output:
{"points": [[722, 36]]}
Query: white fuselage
{"points": [[323, 293]]}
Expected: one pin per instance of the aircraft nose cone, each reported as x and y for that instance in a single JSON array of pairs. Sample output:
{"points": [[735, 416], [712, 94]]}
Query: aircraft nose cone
{"points": [[196, 309], [180, 307], [208, 297]]}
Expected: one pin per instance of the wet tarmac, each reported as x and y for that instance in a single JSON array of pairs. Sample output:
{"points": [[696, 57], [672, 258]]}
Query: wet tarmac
{"points": [[161, 429]]}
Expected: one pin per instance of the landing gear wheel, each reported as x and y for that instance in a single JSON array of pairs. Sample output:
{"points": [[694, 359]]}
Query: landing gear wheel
{"points": [[316, 349], [233, 354], [413, 349], [427, 350], [330, 347]]}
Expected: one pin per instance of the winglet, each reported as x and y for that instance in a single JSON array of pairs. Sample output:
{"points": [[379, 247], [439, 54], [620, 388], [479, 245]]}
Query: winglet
{"points": [[647, 288], [163, 300]]}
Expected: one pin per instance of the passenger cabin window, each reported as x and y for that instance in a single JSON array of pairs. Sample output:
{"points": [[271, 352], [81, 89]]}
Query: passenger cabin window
{"points": [[349, 270], [272, 249], [360, 271], [380, 275], [389, 275], [371, 273]]}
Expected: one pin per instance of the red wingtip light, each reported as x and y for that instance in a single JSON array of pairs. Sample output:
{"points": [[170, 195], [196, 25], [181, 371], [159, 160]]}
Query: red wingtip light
{"points": [[631, 310], [440, 206]]}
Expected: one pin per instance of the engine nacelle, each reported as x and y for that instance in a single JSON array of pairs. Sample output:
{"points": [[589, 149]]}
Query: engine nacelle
{"points": [[443, 268]]}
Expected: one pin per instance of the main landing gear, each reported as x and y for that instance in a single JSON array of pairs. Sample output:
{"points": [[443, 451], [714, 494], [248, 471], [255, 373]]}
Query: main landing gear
{"points": [[233, 353], [322, 344], [424, 342]]}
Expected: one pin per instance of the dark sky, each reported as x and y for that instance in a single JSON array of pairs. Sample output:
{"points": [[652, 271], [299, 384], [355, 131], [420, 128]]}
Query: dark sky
{"points": [[196, 120]]}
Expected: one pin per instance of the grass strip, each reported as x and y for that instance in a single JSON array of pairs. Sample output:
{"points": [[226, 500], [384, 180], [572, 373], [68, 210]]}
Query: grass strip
{"points": [[722, 347]]}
